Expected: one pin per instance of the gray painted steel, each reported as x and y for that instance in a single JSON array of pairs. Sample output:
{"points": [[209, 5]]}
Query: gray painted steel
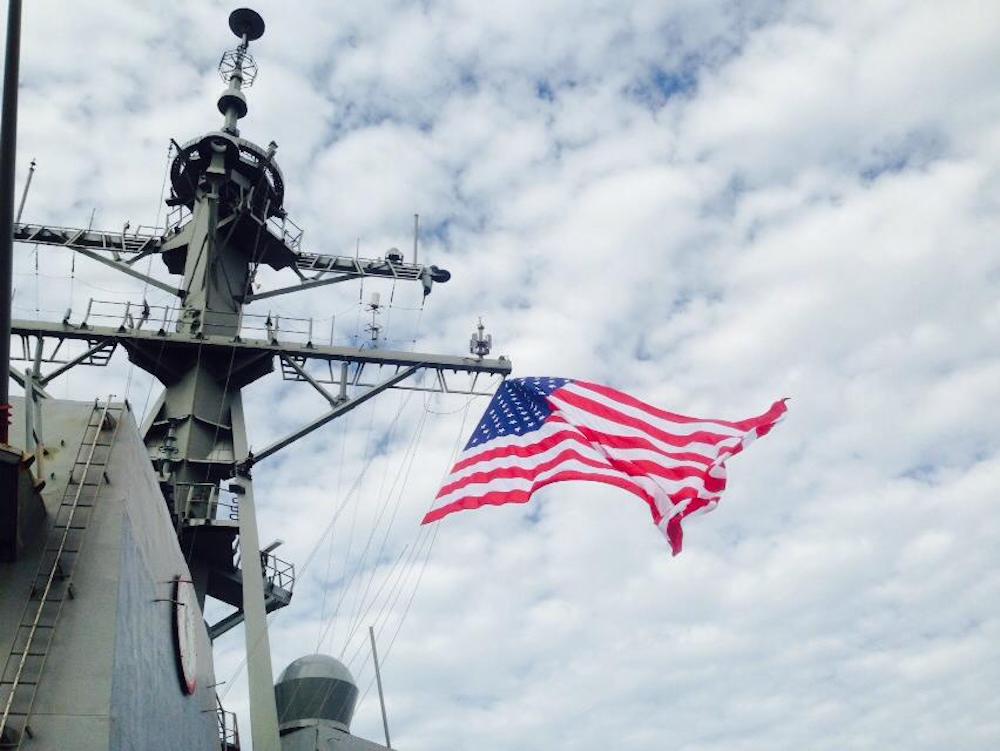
{"points": [[21, 508], [316, 695], [139, 243], [316, 687], [110, 681], [185, 346], [8, 154], [264, 716], [317, 736]]}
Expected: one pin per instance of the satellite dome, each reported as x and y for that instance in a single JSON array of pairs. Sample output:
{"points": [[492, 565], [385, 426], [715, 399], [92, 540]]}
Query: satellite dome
{"points": [[316, 688]]}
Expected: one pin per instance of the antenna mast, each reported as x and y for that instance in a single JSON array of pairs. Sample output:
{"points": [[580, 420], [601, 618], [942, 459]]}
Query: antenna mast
{"points": [[8, 152], [227, 218]]}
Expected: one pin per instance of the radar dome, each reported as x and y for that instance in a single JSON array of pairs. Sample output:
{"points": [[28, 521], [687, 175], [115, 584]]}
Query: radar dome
{"points": [[316, 688]]}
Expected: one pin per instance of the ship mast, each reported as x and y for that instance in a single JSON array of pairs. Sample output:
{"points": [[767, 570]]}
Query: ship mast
{"points": [[227, 202], [8, 149]]}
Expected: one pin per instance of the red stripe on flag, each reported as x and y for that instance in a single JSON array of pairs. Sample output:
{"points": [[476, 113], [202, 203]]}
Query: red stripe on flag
{"points": [[501, 498], [675, 532], [772, 415], [647, 468], [520, 450], [626, 442], [520, 473], [613, 415]]}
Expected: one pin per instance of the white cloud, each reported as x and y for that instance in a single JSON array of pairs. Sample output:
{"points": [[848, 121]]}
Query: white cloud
{"points": [[712, 205]]}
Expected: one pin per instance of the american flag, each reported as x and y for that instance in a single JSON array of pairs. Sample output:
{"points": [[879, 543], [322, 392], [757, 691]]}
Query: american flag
{"points": [[539, 431]]}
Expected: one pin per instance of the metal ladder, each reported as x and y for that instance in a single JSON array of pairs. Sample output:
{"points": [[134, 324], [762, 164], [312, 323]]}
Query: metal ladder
{"points": [[53, 582]]}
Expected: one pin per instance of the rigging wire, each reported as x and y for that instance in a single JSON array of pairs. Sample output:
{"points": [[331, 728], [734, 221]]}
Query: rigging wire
{"points": [[393, 575], [392, 597], [382, 506], [406, 611], [149, 266], [404, 572], [347, 586], [37, 285], [398, 586], [312, 554], [368, 458], [430, 547], [408, 459], [329, 560]]}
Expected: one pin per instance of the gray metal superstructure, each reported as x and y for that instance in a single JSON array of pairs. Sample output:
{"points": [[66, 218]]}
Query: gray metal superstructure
{"points": [[160, 517], [316, 696], [104, 669]]}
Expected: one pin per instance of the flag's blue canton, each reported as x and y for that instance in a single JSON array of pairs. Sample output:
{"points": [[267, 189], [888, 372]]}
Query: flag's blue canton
{"points": [[518, 407]]}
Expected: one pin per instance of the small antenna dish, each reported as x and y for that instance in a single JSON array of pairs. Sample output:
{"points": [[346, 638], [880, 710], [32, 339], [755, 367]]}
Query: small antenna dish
{"points": [[246, 23]]}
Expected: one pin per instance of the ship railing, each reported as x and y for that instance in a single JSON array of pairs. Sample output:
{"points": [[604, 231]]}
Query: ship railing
{"points": [[127, 316], [277, 572], [136, 316], [272, 327], [177, 217], [277, 328], [285, 230], [278, 225], [229, 731]]}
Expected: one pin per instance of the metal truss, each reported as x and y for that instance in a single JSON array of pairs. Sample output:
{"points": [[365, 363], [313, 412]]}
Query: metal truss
{"points": [[443, 382], [98, 352], [358, 368], [136, 244], [126, 247], [98, 336]]}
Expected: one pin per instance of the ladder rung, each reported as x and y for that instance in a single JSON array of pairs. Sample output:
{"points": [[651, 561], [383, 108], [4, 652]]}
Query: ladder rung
{"points": [[22, 682], [55, 591], [40, 641], [71, 497]]}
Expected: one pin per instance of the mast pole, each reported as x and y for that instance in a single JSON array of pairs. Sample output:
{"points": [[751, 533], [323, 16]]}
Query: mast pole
{"points": [[24, 195], [8, 149], [416, 234], [381, 696], [260, 678]]}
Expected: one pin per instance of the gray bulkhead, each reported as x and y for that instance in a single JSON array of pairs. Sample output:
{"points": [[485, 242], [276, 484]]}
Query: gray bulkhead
{"points": [[110, 678]]}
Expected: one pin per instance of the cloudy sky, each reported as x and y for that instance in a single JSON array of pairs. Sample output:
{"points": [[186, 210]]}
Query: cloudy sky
{"points": [[710, 205]]}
